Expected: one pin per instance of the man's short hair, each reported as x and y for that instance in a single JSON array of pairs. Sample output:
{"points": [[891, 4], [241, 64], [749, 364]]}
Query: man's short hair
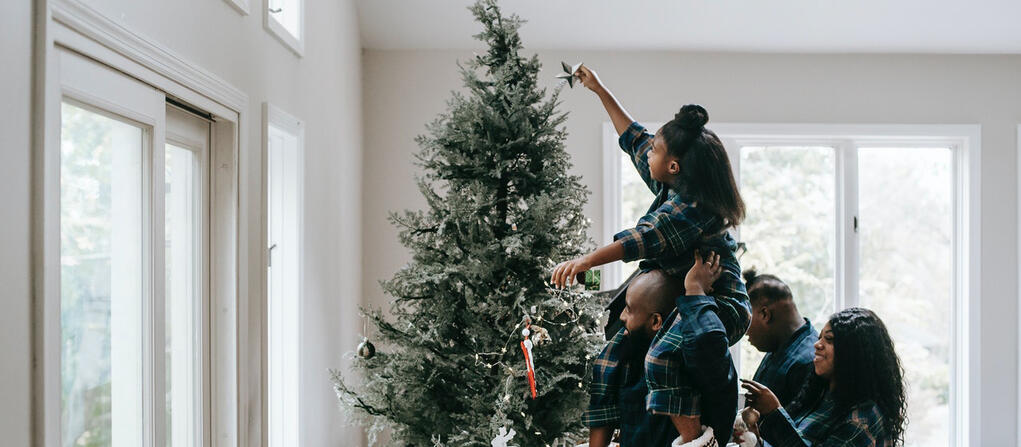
{"points": [[660, 290], [766, 286]]}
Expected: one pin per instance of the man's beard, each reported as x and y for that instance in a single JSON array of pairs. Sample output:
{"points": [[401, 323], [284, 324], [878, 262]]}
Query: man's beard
{"points": [[636, 345]]}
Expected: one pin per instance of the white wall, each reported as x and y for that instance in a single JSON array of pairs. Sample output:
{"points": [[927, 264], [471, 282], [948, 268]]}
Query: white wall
{"points": [[15, 135], [323, 89], [403, 90]]}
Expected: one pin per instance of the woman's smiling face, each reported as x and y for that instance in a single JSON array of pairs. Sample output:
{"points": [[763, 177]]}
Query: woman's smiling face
{"points": [[824, 353]]}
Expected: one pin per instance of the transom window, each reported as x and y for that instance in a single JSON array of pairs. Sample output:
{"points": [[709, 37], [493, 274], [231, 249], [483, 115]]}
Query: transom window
{"points": [[285, 19]]}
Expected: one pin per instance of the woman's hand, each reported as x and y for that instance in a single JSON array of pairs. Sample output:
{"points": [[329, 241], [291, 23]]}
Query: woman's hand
{"points": [[759, 397], [703, 273], [589, 79], [564, 273]]}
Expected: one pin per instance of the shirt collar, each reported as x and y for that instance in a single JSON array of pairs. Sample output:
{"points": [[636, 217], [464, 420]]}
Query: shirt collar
{"points": [[802, 332]]}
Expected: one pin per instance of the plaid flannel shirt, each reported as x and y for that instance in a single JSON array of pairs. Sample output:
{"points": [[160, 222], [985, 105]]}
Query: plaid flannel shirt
{"points": [[666, 237], [609, 373], [702, 385], [785, 370], [620, 402], [862, 427], [689, 370]]}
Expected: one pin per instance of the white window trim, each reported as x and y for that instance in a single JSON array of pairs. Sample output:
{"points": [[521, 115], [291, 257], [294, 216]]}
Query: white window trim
{"points": [[611, 275], [75, 26], [241, 6], [295, 44], [276, 116], [966, 140], [185, 135]]}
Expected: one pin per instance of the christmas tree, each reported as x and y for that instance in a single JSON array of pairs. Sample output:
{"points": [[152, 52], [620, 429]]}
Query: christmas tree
{"points": [[501, 209]]}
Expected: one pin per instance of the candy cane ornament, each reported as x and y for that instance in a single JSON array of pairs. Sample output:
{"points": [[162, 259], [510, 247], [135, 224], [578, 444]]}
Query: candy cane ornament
{"points": [[526, 349]]}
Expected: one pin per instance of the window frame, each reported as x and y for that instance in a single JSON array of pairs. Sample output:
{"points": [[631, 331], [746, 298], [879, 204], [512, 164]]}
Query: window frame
{"points": [[178, 134], [241, 6], [69, 26], [294, 43], [90, 86], [275, 116], [846, 139]]}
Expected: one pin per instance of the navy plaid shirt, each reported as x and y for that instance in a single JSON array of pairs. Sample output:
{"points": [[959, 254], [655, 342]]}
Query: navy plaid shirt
{"points": [[785, 370], [667, 236], [861, 427], [621, 402], [688, 371]]}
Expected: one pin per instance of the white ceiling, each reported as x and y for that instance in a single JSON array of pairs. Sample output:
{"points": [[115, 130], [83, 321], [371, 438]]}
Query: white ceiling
{"points": [[869, 26]]}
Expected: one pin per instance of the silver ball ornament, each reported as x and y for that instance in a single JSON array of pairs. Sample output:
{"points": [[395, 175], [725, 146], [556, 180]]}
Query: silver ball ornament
{"points": [[366, 350]]}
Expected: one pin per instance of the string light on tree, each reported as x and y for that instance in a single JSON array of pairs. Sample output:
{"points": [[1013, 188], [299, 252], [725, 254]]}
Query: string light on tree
{"points": [[501, 206]]}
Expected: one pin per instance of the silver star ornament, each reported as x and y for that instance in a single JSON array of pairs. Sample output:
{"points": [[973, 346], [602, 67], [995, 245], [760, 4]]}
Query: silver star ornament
{"points": [[569, 73]]}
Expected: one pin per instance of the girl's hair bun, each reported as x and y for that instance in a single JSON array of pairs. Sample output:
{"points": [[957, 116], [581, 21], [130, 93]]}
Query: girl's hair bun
{"points": [[692, 117], [750, 275]]}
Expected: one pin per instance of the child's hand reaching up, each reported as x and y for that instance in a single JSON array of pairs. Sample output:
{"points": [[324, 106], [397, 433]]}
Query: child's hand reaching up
{"points": [[589, 79], [700, 279]]}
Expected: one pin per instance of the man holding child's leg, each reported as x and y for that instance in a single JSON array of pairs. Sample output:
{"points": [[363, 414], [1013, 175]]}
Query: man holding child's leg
{"points": [[620, 396]]}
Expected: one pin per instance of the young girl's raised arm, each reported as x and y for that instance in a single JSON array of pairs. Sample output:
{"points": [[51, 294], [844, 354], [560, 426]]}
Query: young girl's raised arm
{"points": [[621, 119]]}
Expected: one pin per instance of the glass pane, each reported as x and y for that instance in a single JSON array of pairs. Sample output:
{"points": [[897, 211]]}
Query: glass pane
{"points": [[906, 215], [288, 14], [183, 295], [635, 199], [284, 290], [790, 228], [101, 290]]}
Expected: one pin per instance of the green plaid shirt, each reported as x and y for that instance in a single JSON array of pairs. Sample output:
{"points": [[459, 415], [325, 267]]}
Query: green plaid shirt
{"points": [[609, 372], [862, 427], [667, 236], [688, 371], [620, 402]]}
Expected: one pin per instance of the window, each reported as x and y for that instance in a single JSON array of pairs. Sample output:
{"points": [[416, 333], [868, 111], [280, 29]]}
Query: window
{"points": [[134, 270], [102, 277], [186, 283], [284, 155], [137, 262], [790, 228], [873, 216], [285, 19]]}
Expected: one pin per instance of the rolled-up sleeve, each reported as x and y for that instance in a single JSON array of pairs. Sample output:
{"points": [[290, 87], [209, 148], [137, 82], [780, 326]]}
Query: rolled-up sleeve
{"points": [[674, 227], [636, 142], [633, 138]]}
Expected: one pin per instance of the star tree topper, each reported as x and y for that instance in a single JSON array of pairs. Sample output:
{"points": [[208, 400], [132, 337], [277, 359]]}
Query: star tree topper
{"points": [[569, 73]]}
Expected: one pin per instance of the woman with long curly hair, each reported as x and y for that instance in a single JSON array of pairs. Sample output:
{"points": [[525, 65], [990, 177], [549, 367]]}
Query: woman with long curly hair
{"points": [[855, 397]]}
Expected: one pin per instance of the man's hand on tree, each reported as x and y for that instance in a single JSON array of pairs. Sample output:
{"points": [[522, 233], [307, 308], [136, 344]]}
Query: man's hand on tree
{"points": [[565, 272]]}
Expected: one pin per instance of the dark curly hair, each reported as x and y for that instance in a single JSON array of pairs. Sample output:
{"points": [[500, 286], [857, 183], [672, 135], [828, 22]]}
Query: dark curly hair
{"points": [[705, 176], [865, 368]]}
